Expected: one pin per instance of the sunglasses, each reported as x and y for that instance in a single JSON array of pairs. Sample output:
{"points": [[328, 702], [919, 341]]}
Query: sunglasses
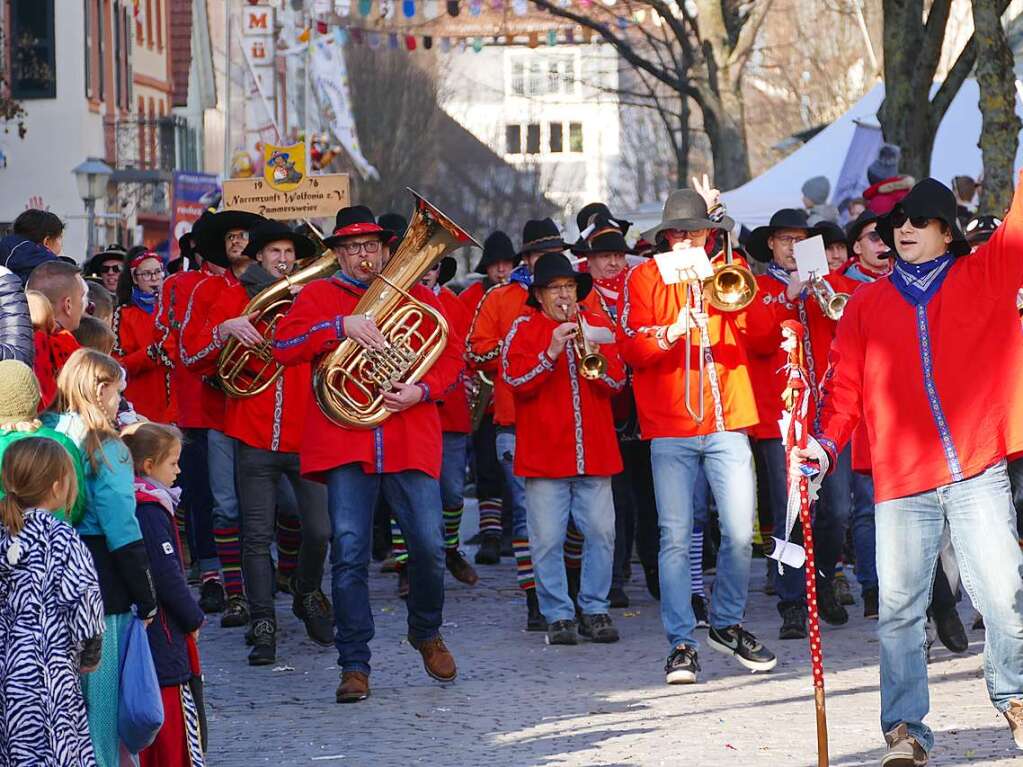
{"points": [[110, 269], [917, 222], [874, 237]]}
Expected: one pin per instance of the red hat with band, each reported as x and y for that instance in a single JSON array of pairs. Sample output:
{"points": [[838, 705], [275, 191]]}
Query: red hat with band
{"points": [[353, 221]]}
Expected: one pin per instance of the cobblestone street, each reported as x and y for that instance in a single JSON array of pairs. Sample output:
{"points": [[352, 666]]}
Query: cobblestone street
{"points": [[520, 702]]}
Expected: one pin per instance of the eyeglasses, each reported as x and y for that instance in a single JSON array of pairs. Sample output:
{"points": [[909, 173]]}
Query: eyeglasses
{"points": [[237, 236], [354, 248], [150, 274], [918, 222], [111, 269], [789, 239], [874, 237], [569, 288]]}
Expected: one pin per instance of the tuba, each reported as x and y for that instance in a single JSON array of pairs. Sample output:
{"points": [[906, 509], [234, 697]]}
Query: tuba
{"points": [[247, 371], [349, 381]]}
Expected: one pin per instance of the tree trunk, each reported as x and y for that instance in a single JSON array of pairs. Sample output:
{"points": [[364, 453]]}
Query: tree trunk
{"points": [[722, 120], [1000, 126]]}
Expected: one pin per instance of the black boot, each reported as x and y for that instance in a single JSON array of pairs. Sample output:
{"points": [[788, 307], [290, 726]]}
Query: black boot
{"points": [[793, 620], [827, 605], [534, 620], [653, 582], [951, 631], [574, 577], [264, 642], [489, 552]]}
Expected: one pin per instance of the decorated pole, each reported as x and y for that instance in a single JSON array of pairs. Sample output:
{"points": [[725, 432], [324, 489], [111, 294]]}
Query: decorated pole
{"points": [[795, 398]]}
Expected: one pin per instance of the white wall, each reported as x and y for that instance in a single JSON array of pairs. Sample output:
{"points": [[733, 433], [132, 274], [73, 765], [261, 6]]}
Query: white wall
{"points": [[62, 132]]}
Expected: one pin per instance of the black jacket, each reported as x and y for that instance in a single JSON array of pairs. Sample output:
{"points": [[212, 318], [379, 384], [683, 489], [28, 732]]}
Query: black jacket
{"points": [[16, 339]]}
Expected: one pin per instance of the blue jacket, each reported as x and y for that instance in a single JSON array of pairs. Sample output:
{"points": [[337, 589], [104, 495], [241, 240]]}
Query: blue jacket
{"points": [[21, 255]]}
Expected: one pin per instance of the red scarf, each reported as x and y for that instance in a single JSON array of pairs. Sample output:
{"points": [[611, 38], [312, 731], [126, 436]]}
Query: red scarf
{"points": [[611, 287]]}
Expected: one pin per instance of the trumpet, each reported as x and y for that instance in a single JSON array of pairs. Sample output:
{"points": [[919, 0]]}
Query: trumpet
{"points": [[592, 364], [831, 302]]}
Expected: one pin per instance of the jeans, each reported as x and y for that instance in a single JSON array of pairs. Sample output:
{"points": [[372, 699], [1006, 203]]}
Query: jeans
{"points": [[452, 470], [515, 487], [589, 502], [863, 532], [198, 500], [727, 461], [257, 496], [225, 495], [830, 517], [982, 523], [414, 498]]}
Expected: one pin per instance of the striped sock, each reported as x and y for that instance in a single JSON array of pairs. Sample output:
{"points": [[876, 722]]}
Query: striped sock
{"points": [[490, 516], [398, 548], [523, 564], [452, 523], [289, 538], [210, 575], [696, 562], [573, 546], [230, 552]]}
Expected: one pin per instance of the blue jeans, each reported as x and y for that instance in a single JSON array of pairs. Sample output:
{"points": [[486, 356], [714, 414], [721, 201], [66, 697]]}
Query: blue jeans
{"points": [[590, 503], [452, 470], [225, 495], [863, 533], [515, 486], [982, 522], [727, 462], [414, 499]]}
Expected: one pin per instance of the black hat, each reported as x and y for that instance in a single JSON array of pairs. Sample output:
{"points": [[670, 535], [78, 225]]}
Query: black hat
{"points": [[354, 220], [214, 230], [686, 210], [114, 252], [605, 237], [497, 247], [832, 233], [928, 199], [855, 228], [541, 234], [394, 222], [273, 231], [786, 218], [549, 267], [587, 216], [448, 267], [980, 228]]}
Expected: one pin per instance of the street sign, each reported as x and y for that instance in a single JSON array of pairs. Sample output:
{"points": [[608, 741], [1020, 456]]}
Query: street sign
{"points": [[312, 197]]}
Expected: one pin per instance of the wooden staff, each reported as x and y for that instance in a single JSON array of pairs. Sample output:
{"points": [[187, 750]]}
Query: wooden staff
{"points": [[794, 397]]}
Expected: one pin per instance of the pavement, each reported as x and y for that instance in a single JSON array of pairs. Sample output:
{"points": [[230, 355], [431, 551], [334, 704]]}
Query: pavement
{"points": [[518, 701]]}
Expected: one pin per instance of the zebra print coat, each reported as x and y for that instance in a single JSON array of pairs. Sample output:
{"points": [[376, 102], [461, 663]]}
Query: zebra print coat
{"points": [[50, 604]]}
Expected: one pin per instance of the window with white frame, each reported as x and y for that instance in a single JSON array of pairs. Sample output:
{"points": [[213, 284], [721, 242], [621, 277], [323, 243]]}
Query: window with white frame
{"points": [[536, 75]]}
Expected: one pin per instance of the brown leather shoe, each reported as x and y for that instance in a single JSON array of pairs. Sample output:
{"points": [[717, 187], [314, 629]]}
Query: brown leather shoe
{"points": [[437, 660], [903, 749], [353, 688], [460, 568]]}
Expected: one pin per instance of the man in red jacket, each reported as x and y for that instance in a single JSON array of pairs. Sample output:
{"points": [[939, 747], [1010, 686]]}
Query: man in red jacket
{"points": [[653, 319], [401, 456], [782, 296], [930, 360], [566, 447]]}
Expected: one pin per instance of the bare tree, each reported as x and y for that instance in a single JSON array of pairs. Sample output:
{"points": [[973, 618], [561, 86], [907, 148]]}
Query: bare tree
{"points": [[11, 111], [1000, 126], [913, 41]]}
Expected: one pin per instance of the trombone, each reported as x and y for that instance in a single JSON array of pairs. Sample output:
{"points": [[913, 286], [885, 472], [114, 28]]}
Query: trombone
{"points": [[592, 364]]}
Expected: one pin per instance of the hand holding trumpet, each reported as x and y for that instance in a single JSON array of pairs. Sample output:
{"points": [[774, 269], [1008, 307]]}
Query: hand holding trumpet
{"points": [[563, 334]]}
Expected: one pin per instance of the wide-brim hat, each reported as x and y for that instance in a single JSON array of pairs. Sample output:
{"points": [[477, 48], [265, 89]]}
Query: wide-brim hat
{"points": [[448, 268], [686, 211], [786, 218], [855, 228], [541, 234], [587, 217], [396, 223], [980, 228], [551, 266], [356, 220], [114, 252], [274, 231], [497, 247], [928, 199], [212, 233], [831, 232], [605, 238]]}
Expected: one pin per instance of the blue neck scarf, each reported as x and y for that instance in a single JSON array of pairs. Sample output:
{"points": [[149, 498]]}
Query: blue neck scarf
{"points": [[778, 273], [144, 301], [339, 275], [522, 275], [918, 283]]}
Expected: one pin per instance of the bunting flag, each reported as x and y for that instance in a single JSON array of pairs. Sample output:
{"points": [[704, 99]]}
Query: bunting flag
{"points": [[452, 7]]}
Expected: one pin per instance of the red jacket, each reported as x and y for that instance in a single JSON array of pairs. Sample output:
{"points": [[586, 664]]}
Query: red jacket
{"points": [[51, 352], [405, 441], [565, 426], [454, 408], [646, 308], [472, 295], [764, 318], [887, 193], [200, 405], [137, 347], [937, 387], [497, 310], [271, 420]]}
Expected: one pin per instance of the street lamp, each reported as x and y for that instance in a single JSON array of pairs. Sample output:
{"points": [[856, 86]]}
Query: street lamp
{"points": [[92, 177]]}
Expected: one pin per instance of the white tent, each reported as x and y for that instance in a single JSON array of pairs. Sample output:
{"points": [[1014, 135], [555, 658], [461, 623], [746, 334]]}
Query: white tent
{"points": [[955, 153]]}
